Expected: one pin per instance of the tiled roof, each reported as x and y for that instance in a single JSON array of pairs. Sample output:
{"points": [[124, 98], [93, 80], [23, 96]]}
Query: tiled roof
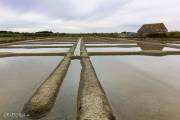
{"points": [[153, 28]]}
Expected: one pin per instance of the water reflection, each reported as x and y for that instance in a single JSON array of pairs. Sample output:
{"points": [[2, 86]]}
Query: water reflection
{"points": [[173, 44], [65, 107], [42, 45], [20, 77], [148, 46], [125, 44], [170, 49], [39, 50], [48, 42], [141, 87], [118, 49]]}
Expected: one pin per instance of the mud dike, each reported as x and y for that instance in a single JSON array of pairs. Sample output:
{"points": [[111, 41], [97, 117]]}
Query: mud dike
{"points": [[92, 101]]}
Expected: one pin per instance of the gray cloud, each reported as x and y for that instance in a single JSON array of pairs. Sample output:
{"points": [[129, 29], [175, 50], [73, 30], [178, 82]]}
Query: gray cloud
{"points": [[87, 15], [68, 9]]}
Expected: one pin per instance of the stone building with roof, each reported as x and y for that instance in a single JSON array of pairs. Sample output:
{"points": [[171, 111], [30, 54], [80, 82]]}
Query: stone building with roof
{"points": [[153, 28]]}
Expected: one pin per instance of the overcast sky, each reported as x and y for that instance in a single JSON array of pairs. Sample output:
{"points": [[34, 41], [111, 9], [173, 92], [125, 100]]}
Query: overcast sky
{"points": [[87, 15]]}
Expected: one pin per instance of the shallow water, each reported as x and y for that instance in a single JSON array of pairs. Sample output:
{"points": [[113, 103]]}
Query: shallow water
{"points": [[20, 77], [170, 49], [138, 87], [77, 50], [118, 49], [174, 44], [37, 50], [141, 87], [109, 44], [42, 45], [65, 107], [50, 42]]}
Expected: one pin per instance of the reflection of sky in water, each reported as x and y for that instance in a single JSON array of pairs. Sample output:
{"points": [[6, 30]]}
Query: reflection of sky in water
{"points": [[77, 50], [20, 77], [65, 107], [141, 87], [118, 49], [39, 50], [42, 45], [51, 42], [170, 49], [109, 44], [174, 44]]}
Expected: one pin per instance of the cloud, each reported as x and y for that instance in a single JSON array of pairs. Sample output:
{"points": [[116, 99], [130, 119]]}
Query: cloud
{"points": [[86, 15]]}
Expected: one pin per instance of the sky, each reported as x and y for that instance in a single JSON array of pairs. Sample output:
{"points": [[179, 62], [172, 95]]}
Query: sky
{"points": [[74, 16]]}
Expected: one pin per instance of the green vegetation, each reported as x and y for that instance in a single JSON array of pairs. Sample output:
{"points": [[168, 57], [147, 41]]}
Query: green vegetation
{"points": [[161, 35], [51, 34], [9, 36], [174, 34]]}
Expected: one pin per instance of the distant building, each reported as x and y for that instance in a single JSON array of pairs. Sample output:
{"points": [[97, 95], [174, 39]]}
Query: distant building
{"points": [[131, 34], [128, 34], [153, 28]]}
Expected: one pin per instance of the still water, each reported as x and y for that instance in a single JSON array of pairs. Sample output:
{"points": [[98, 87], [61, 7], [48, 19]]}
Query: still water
{"points": [[170, 49], [49, 42], [65, 107], [138, 87], [38, 50], [141, 87], [109, 44], [43, 45], [20, 77], [173, 44], [117, 49]]}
